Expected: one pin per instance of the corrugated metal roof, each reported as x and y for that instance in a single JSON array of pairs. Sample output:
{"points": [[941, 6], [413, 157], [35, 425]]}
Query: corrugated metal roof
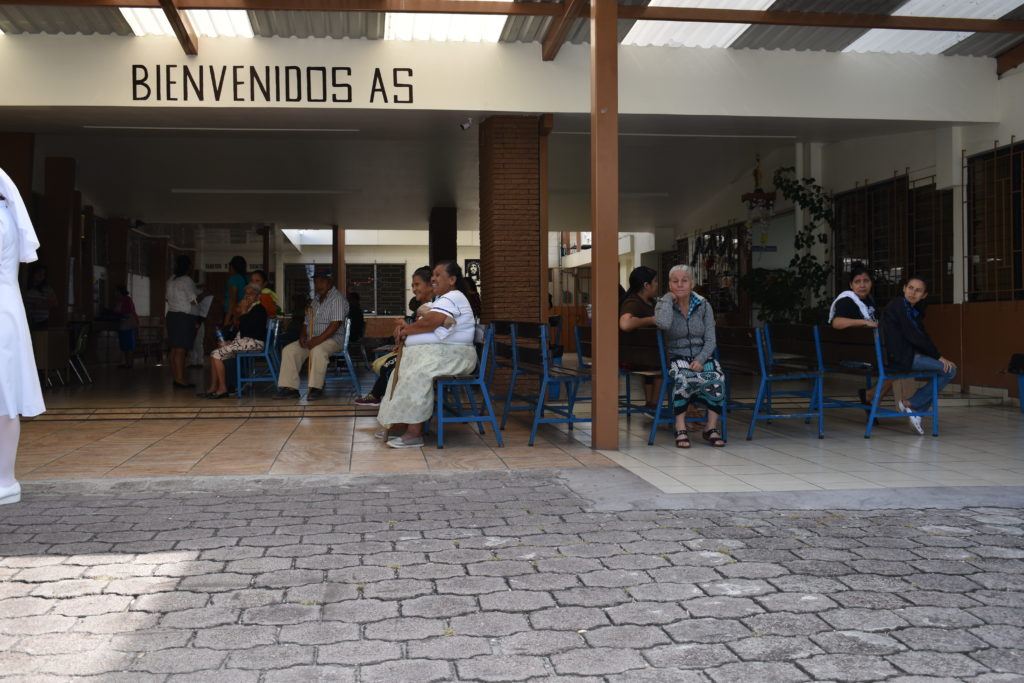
{"points": [[520, 29], [56, 20], [284, 24], [989, 44], [809, 37]]}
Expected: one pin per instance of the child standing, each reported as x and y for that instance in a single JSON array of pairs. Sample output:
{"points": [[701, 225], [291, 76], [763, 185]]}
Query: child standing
{"points": [[128, 327]]}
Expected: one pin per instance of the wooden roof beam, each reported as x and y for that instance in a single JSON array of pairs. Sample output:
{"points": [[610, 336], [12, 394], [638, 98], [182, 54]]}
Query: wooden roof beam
{"points": [[820, 19], [557, 9], [183, 28], [558, 29], [1010, 59]]}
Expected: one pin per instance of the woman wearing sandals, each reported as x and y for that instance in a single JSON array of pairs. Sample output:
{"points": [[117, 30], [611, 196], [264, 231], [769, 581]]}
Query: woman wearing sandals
{"points": [[689, 325], [252, 330]]}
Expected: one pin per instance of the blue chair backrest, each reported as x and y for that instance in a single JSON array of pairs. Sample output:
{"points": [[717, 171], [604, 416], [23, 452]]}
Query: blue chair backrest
{"points": [[348, 334], [539, 355], [579, 346], [762, 361], [268, 343], [879, 355], [485, 353], [817, 348], [769, 350]]}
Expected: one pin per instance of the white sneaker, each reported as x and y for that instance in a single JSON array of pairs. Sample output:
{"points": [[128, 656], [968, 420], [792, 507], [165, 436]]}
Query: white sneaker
{"points": [[915, 421], [399, 442], [10, 494]]}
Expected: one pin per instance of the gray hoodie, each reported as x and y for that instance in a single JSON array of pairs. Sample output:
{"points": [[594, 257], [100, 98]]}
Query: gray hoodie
{"points": [[690, 336]]}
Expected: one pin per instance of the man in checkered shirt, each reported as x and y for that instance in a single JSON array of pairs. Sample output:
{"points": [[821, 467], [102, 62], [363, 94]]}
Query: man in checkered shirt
{"points": [[322, 335]]}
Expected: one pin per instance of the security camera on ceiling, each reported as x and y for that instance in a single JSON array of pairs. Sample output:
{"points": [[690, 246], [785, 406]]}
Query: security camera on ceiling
{"points": [[467, 124]]}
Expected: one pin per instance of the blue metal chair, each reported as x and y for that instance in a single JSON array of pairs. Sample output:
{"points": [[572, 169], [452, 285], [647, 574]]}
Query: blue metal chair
{"points": [[534, 359], [664, 413], [581, 363], [248, 359], [343, 356], [449, 408], [769, 377], [883, 375]]}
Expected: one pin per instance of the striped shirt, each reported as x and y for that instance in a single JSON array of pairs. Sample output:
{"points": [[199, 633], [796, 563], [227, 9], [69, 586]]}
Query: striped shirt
{"points": [[332, 309]]}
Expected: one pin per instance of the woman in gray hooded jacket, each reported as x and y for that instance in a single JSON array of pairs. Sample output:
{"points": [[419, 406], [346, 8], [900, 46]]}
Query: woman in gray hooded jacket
{"points": [[689, 325]]}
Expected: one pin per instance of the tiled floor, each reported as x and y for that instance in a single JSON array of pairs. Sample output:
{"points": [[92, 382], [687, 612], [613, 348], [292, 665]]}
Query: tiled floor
{"points": [[145, 429]]}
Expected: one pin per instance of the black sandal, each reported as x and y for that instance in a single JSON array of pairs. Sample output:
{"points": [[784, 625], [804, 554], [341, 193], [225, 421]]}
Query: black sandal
{"points": [[715, 441], [682, 440]]}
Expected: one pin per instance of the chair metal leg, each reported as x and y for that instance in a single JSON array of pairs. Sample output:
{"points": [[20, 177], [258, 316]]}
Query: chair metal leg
{"points": [[439, 413], [472, 405], [757, 408], [657, 413], [571, 391], [819, 387], [935, 406], [508, 398], [490, 412], [539, 411], [71, 364], [875, 401]]}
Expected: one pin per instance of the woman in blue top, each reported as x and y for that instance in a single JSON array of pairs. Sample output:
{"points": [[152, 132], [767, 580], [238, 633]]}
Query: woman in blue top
{"points": [[234, 291]]}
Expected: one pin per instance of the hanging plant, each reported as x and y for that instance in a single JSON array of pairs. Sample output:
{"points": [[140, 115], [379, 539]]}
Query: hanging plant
{"points": [[795, 295]]}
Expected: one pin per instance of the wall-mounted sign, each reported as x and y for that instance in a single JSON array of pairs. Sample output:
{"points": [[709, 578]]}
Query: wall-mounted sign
{"points": [[244, 83]]}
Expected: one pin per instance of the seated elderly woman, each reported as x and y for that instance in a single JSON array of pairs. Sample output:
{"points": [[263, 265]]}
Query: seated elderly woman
{"points": [[252, 330], [689, 325], [438, 343]]}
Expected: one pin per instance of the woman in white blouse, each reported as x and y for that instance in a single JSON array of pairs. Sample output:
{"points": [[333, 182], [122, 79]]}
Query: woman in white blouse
{"points": [[181, 324], [439, 343]]}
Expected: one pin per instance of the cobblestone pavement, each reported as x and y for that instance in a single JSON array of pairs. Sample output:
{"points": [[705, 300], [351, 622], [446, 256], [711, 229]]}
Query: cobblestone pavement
{"points": [[495, 576]]}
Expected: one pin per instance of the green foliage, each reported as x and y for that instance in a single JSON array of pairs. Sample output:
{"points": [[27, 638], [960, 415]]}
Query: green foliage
{"points": [[794, 295]]}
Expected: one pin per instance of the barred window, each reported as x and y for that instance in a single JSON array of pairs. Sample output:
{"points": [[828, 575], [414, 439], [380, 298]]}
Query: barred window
{"points": [[995, 184], [381, 287]]}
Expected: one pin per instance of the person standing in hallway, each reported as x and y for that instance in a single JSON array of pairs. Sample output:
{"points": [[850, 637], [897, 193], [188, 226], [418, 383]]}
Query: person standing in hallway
{"points": [[909, 348], [127, 327], [322, 336], [235, 288], [20, 393], [181, 323]]}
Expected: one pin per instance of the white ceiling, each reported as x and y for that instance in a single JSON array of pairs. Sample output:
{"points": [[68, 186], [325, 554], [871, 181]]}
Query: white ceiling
{"points": [[391, 168]]}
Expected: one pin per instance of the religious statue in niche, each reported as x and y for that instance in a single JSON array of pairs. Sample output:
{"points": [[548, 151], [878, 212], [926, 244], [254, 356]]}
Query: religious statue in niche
{"points": [[473, 271]]}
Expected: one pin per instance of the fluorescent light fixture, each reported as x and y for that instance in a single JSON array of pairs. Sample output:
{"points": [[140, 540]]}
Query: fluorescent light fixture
{"points": [[691, 34], [455, 28], [713, 136], [205, 190], [206, 22], [208, 129], [930, 42]]}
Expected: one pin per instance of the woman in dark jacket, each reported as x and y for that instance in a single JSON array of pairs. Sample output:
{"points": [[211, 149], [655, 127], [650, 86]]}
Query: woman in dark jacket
{"points": [[252, 331]]}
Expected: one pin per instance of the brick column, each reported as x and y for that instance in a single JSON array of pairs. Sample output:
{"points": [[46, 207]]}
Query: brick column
{"points": [[510, 218]]}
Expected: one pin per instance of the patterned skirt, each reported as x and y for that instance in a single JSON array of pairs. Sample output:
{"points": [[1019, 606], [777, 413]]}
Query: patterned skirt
{"points": [[237, 344], [706, 387]]}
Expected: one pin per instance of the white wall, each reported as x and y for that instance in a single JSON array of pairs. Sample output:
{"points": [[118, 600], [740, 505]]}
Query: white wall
{"points": [[725, 206], [779, 234], [138, 287]]}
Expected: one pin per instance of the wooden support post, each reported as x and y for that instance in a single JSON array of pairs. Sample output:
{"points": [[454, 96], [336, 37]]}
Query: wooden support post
{"points": [[118, 230], [86, 271], [547, 122], [59, 224], [443, 234], [159, 250], [266, 231], [338, 258], [604, 218]]}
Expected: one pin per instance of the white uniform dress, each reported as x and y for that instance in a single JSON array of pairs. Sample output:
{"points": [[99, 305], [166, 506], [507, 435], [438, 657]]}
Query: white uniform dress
{"points": [[20, 393]]}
